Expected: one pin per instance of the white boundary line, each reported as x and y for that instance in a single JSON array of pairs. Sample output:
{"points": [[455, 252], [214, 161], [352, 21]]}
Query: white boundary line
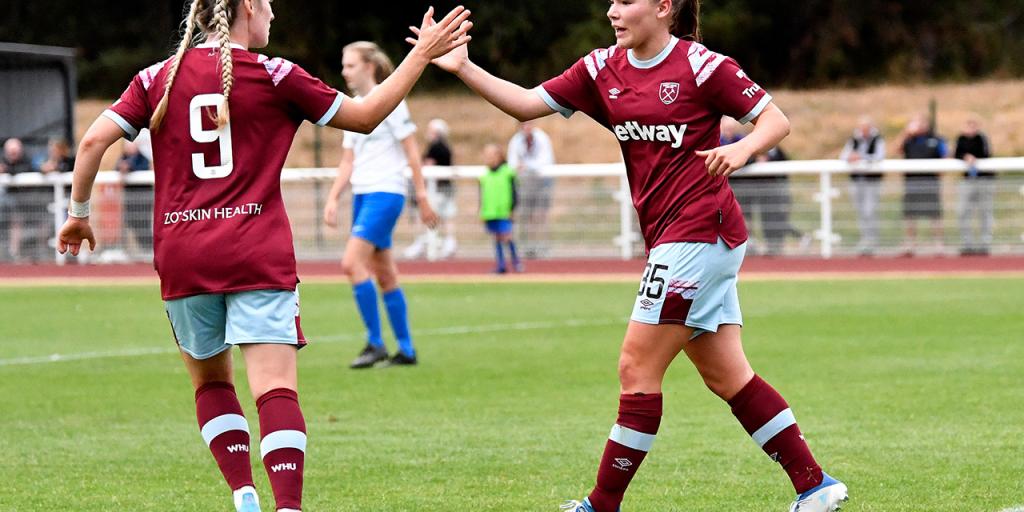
{"points": [[440, 331]]}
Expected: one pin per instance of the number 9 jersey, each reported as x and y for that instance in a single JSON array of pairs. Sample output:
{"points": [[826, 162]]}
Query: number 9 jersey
{"points": [[220, 224]]}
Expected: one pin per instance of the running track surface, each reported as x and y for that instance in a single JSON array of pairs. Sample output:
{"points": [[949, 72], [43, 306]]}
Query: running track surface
{"points": [[752, 267]]}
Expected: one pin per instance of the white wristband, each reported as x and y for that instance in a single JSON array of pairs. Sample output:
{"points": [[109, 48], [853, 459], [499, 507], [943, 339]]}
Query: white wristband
{"points": [[78, 210]]}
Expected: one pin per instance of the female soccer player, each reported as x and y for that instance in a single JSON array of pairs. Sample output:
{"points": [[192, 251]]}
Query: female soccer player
{"points": [[375, 164], [223, 119], [662, 94]]}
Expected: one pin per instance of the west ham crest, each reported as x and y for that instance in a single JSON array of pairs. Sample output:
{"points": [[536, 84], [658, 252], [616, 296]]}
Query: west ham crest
{"points": [[669, 92]]}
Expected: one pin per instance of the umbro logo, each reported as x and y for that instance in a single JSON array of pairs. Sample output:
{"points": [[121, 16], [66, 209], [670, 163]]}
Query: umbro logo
{"points": [[622, 464], [614, 93], [646, 304]]}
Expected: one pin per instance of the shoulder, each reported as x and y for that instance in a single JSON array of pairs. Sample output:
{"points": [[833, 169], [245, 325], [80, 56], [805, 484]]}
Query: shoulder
{"points": [[703, 61], [277, 68], [597, 60], [148, 75]]}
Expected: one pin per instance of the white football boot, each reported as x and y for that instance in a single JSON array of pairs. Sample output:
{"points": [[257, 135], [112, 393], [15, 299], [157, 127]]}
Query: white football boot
{"points": [[829, 496]]}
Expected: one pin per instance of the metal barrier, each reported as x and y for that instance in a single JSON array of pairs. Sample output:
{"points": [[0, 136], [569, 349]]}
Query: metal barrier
{"points": [[794, 208]]}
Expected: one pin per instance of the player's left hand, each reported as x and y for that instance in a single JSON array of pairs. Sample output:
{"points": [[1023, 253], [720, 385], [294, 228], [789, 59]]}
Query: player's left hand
{"points": [[427, 214], [73, 233], [725, 160]]}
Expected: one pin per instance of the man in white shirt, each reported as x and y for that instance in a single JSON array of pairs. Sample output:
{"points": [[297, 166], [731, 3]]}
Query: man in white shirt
{"points": [[530, 154]]}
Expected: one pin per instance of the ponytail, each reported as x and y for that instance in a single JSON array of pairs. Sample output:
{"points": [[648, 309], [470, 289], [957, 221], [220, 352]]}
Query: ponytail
{"points": [[686, 19], [227, 78], [183, 46]]}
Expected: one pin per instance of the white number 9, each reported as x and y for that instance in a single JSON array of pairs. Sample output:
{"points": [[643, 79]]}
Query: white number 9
{"points": [[195, 116]]}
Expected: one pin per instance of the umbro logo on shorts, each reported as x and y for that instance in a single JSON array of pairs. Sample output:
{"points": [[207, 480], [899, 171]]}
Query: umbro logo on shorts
{"points": [[646, 304]]}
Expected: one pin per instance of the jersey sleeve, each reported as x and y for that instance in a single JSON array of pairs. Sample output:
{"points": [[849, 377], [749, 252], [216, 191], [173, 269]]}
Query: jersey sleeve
{"points": [[399, 122], [573, 90], [131, 112], [728, 89], [315, 100]]}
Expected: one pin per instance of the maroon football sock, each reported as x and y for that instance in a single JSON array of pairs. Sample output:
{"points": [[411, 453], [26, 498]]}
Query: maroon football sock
{"points": [[225, 431], [628, 444], [765, 415], [283, 445]]}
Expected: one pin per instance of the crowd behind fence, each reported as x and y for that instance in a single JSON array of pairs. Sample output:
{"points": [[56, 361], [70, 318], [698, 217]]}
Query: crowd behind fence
{"points": [[805, 211]]}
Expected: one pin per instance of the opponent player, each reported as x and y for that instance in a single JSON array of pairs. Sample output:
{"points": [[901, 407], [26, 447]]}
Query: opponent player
{"points": [[375, 164], [662, 94], [223, 119]]}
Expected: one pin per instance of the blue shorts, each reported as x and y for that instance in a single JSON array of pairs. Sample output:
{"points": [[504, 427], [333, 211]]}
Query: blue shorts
{"points": [[499, 226], [206, 325], [374, 217], [691, 283]]}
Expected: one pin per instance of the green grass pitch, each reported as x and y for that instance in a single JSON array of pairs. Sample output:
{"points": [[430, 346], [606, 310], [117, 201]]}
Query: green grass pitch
{"points": [[911, 391]]}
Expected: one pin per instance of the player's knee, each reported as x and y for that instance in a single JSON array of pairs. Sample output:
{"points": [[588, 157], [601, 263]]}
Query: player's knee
{"points": [[634, 377], [724, 384], [353, 268]]}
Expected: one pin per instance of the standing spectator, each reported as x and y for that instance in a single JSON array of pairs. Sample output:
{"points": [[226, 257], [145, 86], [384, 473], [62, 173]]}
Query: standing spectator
{"points": [[137, 208], [58, 157], [439, 153], [977, 191], [777, 205], [921, 196], [864, 150], [11, 162], [28, 224], [497, 202], [752, 192], [529, 153]]}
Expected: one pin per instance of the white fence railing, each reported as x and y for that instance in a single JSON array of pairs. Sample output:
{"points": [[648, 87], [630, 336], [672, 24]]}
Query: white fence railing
{"points": [[793, 207]]}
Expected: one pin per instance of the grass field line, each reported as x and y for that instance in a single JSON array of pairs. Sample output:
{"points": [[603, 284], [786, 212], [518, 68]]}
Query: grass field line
{"points": [[457, 330]]}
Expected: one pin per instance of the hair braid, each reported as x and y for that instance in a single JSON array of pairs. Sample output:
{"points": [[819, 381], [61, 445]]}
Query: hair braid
{"points": [[223, 28], [186, 43]]}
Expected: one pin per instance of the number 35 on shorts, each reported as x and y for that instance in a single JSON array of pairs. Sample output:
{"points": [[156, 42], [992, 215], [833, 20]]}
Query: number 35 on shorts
{"points": [[652, 285]]}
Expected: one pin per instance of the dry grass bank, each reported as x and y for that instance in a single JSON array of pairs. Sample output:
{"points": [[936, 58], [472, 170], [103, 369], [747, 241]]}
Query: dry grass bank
{"points": [[821, 119]]}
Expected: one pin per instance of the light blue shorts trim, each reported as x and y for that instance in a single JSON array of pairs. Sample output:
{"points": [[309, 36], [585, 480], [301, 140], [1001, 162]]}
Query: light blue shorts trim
{"points": [[691, 283], [374, 216], [206, 325]]}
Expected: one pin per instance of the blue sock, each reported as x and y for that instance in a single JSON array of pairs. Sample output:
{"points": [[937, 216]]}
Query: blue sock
{"points": [[499, 252], [512, 251], [398, 314], [366, 299]]}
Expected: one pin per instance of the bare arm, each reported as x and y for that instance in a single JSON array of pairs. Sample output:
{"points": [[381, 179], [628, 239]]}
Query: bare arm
{"points": [[340, 183], [518, 102], [412, 154], [770, 127], [101, 135], [434, 40]]}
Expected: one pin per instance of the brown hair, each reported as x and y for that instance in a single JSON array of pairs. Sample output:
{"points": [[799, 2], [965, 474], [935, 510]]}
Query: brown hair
{"points": [[686, 19], [212, 16], [372, 53]]}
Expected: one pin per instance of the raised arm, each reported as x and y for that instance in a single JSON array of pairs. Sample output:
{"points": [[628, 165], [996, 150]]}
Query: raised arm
{"points": [[518, 102], [434, 40], [101, 135]]}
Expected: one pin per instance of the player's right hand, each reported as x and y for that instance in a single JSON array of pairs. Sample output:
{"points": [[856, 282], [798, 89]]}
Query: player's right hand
{"points": [[331, 214], [434, 39], [73, 233]]}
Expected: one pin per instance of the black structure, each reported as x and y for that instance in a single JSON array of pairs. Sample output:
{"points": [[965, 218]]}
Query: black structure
{"points": [[38, 88]]}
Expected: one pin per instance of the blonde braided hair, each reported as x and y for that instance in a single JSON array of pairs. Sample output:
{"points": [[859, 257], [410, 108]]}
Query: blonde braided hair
{"points": [[223, 27], [186, 43]]}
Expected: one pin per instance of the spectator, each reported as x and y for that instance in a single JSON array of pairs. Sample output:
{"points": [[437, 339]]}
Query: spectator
{"points": [[497, 202], [28, 223], [755, 194], [777, 204], [438, 153], [529, 153], [863, 150], [137, 209], [921, 196], [977, 191], [58, 158]]}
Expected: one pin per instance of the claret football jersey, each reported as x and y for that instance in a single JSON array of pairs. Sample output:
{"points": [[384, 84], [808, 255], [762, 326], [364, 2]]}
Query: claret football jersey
{"points": [[219, 221], [662, 110]]}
